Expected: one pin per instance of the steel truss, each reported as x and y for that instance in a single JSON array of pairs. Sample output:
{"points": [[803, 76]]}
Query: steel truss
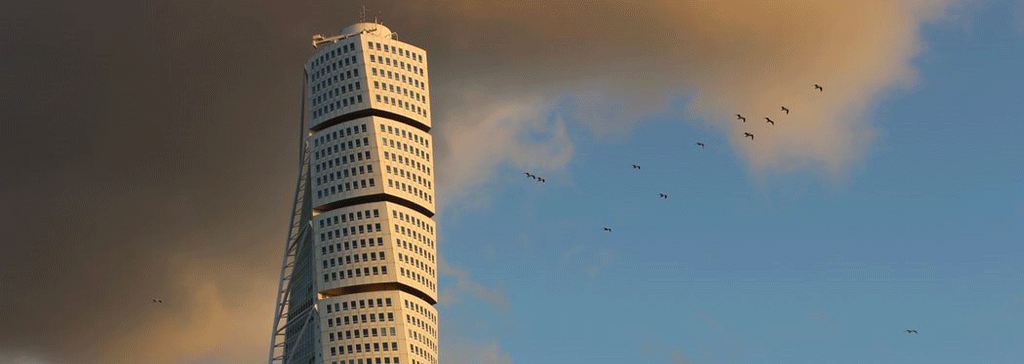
{"points": [[294, 316]]}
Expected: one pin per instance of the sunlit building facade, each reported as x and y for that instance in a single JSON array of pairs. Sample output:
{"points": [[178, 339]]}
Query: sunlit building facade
{"points": [[362, 286]]}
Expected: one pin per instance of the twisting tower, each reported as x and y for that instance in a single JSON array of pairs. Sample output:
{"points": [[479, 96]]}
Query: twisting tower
{"points": [[358, 278]]}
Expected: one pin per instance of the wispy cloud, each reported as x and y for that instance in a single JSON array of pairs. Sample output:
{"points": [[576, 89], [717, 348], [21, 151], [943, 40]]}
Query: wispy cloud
{"points": [[22, 359], [466, 287], [720, 339], [218, 320], [514, 131], [468, 352]]}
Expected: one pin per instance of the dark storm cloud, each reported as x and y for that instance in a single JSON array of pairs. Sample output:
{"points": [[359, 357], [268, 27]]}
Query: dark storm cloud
{"points": [[143, 144], [150, 148]]}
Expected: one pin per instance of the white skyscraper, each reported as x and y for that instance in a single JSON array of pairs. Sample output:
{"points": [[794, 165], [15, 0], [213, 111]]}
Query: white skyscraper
{"points": [[358, 278]]}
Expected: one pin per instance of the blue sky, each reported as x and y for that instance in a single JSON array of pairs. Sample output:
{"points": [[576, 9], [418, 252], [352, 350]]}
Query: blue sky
{"points": [[736, 266]]}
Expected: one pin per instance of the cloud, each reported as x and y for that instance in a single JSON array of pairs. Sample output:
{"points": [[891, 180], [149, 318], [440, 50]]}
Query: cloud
{"points": [[720, 339], [466, 287], [499, 132], [211, 322], [621, 61], [474, 353], [21, 359]]}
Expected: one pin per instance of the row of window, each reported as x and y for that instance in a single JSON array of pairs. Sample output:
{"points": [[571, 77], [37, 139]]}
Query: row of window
{"points": [[333, 66], [417, 277], [410, 232], [415, 235], [410, 260], [331, 248], [363, 303], [371, 332], [402, 104], [355, 319], [341, 147], [410, 189], [367, 257], [425, 195], [360, 348], [337, 91], [423, 339], [415, 249], [348, 187], [407, 316], [409, 218], [396, 63], [395, 157], [422, 310], [405, 147], [337, 105], [400, 91], [399, 77], [337, 134], [340, 161], [396, 131], [348, 259], [421, 352], [408, 175], [352, 216], [333, 276], [317, 89], [333, 53], [345, 173], [338, 233], [395, 50], [387, 360]]}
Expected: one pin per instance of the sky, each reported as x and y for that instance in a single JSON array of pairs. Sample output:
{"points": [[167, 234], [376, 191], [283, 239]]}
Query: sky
{"points": [[149, 149]]}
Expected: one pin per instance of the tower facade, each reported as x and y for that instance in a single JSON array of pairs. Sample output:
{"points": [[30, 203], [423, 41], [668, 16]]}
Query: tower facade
{"points": [[363, 281]]}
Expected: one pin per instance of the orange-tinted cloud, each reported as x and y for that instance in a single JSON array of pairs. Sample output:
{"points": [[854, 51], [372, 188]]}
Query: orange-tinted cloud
{"points": [[733, 57]]}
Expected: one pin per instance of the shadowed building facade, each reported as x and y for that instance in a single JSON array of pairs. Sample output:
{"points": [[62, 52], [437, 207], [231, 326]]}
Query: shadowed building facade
{"points": [[359, 280]]}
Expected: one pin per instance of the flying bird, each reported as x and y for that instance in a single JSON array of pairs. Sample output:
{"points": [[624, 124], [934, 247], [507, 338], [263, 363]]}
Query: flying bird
{"points": [[157, 300], [769, 120], [818, 87], [740, 117], [663, 195], [911, 331], [607, 229], [748, 135], [540, 179], [529, 175], [786, 110], [635, 166], [701, 145]]}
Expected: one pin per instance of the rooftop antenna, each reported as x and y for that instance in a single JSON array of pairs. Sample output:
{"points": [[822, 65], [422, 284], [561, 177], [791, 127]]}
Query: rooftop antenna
{"points": [[362, 15]]}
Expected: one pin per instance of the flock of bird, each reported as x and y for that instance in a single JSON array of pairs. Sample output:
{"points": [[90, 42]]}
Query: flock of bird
{"points": [[534, 176], [739, 117], [663, 196], [767, 119]]}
